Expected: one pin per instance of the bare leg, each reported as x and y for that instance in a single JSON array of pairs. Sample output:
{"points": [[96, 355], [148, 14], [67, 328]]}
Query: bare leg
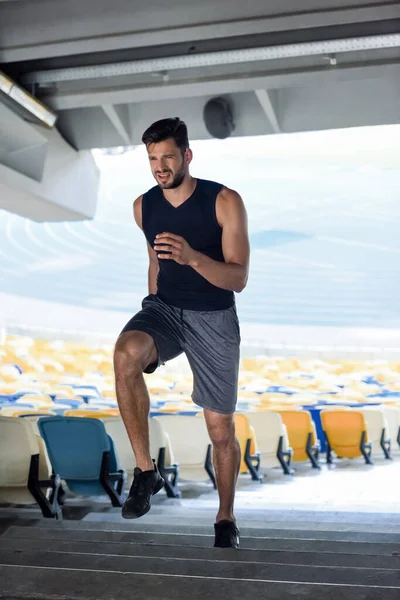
{"points": [[226, 455], [134, 351]]}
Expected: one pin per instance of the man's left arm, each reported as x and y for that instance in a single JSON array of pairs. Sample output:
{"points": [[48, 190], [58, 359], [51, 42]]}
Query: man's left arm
{"points": [[231, 274]]}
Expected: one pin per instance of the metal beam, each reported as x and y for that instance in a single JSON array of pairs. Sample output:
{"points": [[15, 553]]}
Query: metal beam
{"points": [[266, 104], [209, 59], [218, 85], [116, 120], [70, 44]]}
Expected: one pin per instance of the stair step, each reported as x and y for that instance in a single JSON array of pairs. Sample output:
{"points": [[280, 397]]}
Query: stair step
{"points": [[17, 583], [203, 568], [262, 519], [327, 559], [186, 509], [170, 539], [150, 527]]}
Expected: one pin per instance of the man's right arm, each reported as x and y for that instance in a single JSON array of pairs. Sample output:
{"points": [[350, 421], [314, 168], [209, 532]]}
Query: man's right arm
{"points": [[153, 260]]}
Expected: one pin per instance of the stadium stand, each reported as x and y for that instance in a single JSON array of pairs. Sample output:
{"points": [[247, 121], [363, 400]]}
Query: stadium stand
{"points": [[289, 411]]}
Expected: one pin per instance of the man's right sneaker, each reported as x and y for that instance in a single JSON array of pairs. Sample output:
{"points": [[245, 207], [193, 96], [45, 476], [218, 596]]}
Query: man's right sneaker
{"points": [[145, 485], [226, 534]]}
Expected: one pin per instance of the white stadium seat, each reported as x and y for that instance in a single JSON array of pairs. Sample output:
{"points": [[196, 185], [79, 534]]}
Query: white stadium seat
{"points": [[392, 416], [191, 446], [25, 477], [272, 439], [160, 450], [378, 430]]}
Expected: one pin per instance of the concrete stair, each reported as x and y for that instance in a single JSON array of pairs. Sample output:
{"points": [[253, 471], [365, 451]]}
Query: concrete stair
{"points": [[142, 560]]}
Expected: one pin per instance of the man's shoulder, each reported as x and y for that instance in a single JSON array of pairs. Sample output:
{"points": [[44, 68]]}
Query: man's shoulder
{"points": [[228, 195], [229, 203]]}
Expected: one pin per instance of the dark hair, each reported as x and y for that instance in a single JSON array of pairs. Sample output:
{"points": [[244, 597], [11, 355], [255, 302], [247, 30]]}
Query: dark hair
{"points": [[166, 129]]}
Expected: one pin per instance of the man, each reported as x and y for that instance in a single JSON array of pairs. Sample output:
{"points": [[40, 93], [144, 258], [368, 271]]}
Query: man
{"points": [[198, 247]]}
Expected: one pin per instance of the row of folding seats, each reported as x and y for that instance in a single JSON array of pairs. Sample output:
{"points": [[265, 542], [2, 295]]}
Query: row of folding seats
{"points": [[179, 445]]}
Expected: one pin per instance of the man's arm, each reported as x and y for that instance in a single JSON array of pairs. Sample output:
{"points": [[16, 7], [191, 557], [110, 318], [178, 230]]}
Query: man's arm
{"points": [[153, 261], [231, 274]]}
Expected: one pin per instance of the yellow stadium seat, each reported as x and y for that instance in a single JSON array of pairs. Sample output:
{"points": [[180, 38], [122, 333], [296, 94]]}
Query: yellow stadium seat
{"points": [[92, 414], [302, 437], [14, 411], [251, 459], [346, 434]]}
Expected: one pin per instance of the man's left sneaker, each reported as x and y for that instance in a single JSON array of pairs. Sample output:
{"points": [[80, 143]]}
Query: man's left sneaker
{"points": [[226, 534], [145, 485]]}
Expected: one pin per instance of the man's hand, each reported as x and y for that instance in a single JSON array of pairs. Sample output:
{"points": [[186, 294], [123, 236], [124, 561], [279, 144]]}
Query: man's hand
{"points": [[178, 248]]}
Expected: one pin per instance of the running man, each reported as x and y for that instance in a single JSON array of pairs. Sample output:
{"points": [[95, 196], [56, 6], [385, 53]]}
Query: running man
{"points": [[197, 239]]}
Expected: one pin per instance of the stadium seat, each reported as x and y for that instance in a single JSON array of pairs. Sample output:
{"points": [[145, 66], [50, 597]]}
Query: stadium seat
{"points": [[272, 440], [347, 435], [251, 458], [25, 475], [378, 434], [37, 400], [191, 446], [302, 436], [17, 410], [160, 451], [92, 413], [392, 416], [82, 453]]}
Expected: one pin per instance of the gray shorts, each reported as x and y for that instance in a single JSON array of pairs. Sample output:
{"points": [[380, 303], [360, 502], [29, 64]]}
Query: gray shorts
{"points": [[210, 340]]}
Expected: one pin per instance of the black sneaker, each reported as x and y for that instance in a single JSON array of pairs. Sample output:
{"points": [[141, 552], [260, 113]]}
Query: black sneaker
{"points": [[145, 485], [226, 534]]}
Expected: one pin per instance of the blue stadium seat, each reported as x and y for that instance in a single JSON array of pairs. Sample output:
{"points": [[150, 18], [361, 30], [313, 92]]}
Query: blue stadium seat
{"points": [[82, 453]]}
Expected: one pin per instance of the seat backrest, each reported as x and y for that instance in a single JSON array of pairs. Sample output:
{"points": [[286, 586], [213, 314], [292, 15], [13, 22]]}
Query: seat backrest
{"points": [[18, 445], [16, 410], [392, 416], [343, 427], [268, 428], [244, 432], [242, 426], [91, 413], [75, 446], [116, 430], [375, 421], [35, 399], [158, 439], [188, 436], [299, 426]]}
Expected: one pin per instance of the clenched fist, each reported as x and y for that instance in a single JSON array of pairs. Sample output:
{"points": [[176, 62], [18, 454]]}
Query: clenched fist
{"points": [[177, 247]]}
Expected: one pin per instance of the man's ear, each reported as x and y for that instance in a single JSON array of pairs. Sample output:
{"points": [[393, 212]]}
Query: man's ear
{"points": [[188, 156]]}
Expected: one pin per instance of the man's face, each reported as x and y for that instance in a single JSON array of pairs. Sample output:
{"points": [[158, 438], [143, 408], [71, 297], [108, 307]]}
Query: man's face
{"points": [[167, 164]]}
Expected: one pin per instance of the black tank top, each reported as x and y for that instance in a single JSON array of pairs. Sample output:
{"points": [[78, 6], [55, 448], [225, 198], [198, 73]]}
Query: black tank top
{"points": [[196, 221]]}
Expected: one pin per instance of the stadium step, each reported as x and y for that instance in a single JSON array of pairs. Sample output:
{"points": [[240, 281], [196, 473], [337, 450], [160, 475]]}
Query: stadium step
{"points": [[132, 549], [333, 532], [122, 561], [82, 534]]}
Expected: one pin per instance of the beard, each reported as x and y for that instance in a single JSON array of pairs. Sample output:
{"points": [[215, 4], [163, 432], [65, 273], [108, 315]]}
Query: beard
{"points": [[177, 180]]}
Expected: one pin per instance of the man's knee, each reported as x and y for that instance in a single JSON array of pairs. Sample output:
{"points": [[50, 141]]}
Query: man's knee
{"points": [[133, 352], [221, 429]]}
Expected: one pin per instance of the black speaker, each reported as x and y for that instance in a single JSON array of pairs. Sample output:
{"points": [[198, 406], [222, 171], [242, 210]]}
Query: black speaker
{"points": [[218, 118]]}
